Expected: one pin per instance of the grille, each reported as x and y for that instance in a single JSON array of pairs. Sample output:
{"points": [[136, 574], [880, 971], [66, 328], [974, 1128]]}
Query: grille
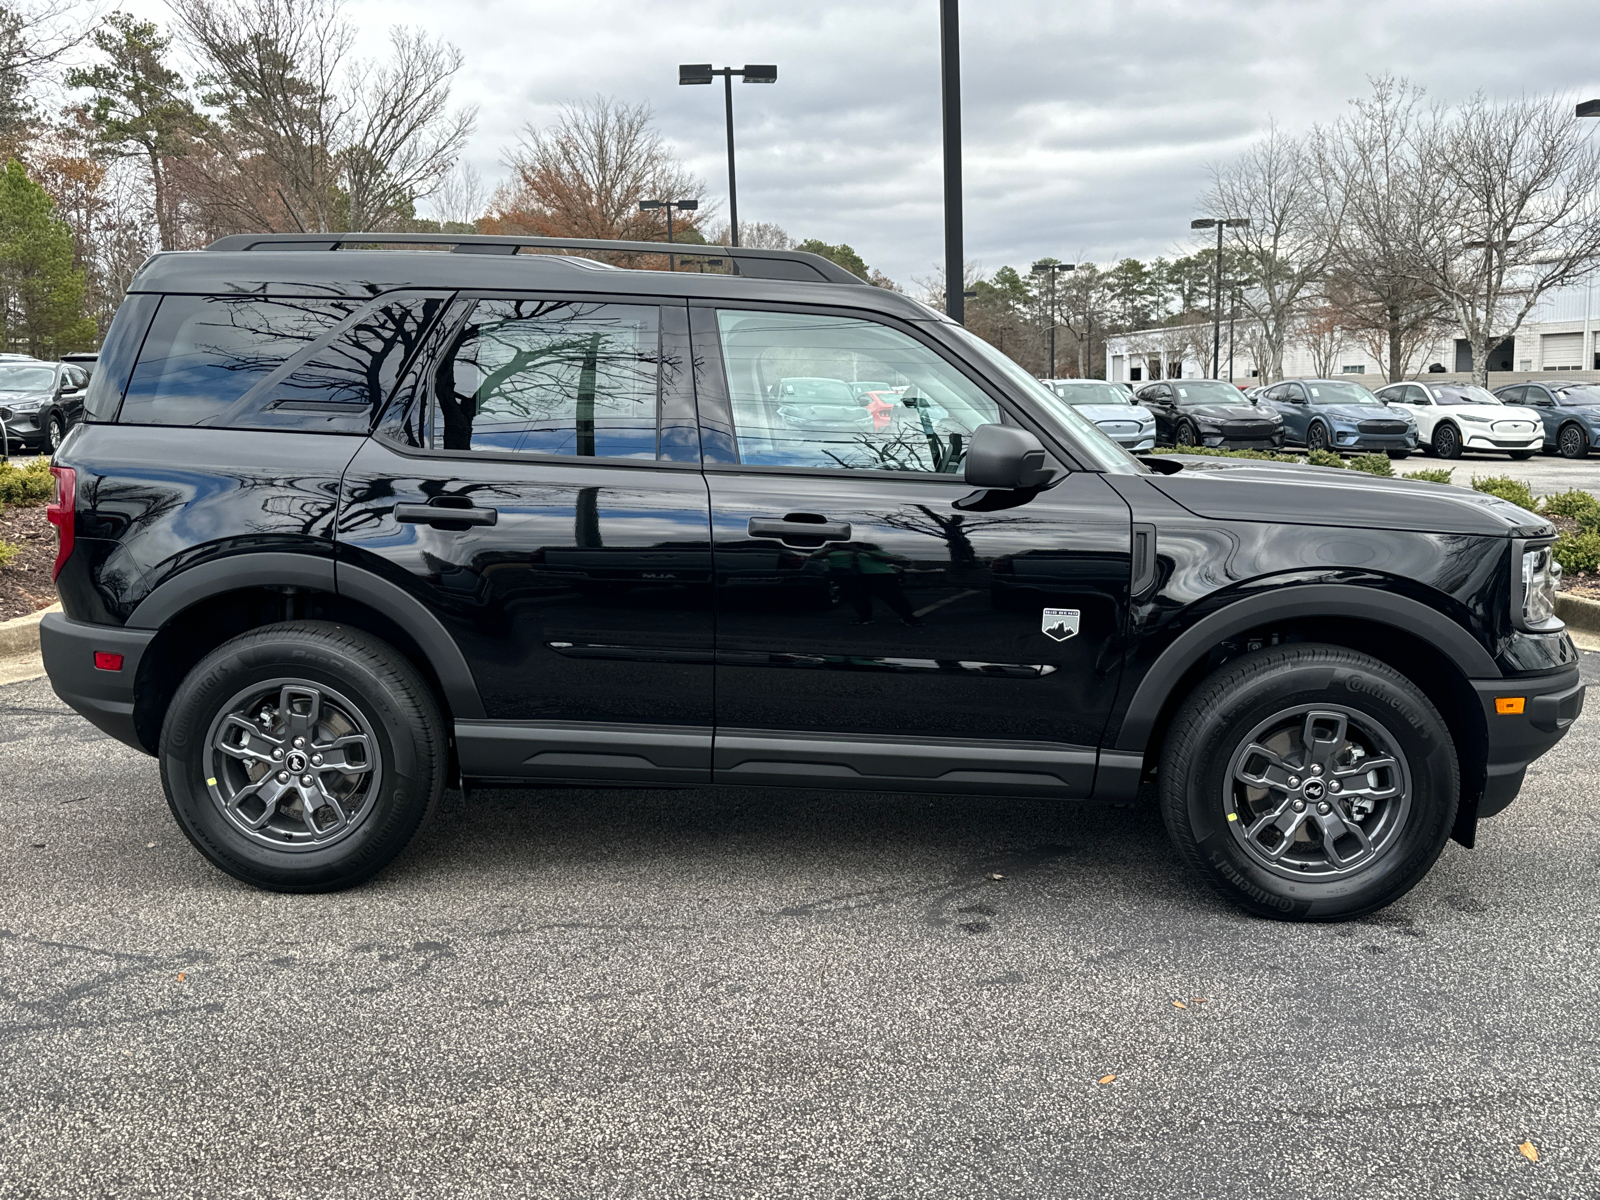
{"points": [[1382, 426], [1122, 427], [1512, 427], [1249, 429]]}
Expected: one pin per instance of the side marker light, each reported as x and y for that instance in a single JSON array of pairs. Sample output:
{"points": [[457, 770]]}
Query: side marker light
{"points": [[1509, 705], [104, 661]]}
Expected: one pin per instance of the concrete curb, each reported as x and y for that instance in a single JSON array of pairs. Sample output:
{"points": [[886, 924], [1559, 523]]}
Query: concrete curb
{"points": [[1579, 614], [20, 635]]}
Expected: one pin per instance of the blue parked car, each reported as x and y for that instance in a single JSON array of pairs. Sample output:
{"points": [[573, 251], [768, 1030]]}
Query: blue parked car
{"points": [[1570, 412], [1334, 414]]}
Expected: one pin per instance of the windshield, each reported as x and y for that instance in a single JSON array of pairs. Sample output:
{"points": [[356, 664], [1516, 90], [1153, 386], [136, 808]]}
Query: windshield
{"points": [[1580, 395], [1208, 391], [26, 379], [1324, 391], [1093, 393], [1098, 449], [1465, 393]]}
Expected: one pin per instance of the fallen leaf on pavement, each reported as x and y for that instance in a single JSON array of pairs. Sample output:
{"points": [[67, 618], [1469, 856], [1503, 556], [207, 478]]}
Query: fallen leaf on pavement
{"points": [[995, 875], [1108, 1079], [1529, 1151], [1197, 1000], [1179, 1004], [181, 977], [149, 845]]}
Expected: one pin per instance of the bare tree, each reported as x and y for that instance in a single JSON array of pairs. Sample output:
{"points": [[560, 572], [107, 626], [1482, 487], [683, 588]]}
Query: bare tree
{"points": [[1327, 338], [460, 199], [754, 235], [584, 176], [1284, 249], [1515, 212]]}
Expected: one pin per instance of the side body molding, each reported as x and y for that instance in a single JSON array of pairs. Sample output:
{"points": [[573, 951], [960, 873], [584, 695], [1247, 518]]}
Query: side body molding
{"points": [[1301, 600]]}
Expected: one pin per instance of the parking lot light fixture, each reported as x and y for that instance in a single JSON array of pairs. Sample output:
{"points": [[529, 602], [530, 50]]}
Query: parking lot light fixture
{"points": [[695, 73], [1588, 108], [1052, 269], [1219, 224], [670, 206]]}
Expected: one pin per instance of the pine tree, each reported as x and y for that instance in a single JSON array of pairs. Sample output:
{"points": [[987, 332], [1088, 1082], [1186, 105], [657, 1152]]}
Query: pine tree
{"points": [[41, 292]]}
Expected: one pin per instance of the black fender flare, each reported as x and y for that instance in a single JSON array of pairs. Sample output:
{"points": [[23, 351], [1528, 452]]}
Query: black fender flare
{"points": [[1289, 603], [277, 568]]}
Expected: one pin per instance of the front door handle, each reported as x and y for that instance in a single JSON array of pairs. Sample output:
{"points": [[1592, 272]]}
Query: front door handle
{"points": [[800, 527], [444, 516]]}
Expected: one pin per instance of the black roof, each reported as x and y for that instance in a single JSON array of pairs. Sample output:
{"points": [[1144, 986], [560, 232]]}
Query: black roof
{"points": [[315, 264]]}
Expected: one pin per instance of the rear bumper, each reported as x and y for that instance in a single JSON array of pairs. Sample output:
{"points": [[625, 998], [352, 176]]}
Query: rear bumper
{"points": [[1550, 704], [104, 697]]}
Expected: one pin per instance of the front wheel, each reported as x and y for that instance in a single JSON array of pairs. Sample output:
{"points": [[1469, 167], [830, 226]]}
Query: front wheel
{"points": [[302, 757], [1317, 436], [1309, 782], [55, 433], [1186, 435], [1572, 442], [1447, 442]]}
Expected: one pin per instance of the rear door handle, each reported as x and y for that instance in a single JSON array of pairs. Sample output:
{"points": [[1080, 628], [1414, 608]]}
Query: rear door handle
{"points": [[443, 516], [788, 529]]}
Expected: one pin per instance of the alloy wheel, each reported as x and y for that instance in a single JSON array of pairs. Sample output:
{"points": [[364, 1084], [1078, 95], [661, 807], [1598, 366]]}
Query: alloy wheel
{"points": [[1573, 442], [292, 765], [1316, 437], [54, 433], [1317, 792], [1186, 435], [1446, 442]]}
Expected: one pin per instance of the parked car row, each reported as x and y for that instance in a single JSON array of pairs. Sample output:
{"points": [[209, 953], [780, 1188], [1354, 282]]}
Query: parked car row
{"points": [[40, 401], [1340, 415]]}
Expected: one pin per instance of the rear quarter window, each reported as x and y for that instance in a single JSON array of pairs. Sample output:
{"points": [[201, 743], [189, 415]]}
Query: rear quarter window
{"points": [[275, 362]]}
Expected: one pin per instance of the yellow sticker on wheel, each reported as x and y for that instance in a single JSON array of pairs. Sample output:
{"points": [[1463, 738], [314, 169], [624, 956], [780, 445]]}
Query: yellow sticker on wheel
{"points": [[1233, 816], [211, 783]]}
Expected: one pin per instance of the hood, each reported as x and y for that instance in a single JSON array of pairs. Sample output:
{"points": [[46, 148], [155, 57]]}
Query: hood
{"points": [[1364, 412], [1493, 412], [1223, 489], [1233, 412], [1121, 412]]}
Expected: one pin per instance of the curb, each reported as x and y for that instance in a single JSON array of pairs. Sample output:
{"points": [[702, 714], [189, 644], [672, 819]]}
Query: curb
{"points": [[1579, 614], [20, 635]]}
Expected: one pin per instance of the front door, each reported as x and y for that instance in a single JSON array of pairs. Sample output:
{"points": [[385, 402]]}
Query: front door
{"points": [[543, 498], [870, 632]]}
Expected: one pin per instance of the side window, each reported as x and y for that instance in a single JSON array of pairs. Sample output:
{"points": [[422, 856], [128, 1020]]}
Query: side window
{"points": [[550, 377], [821, 391], [1416, 395], [77, 377], [1520, 395], [203, 353]]}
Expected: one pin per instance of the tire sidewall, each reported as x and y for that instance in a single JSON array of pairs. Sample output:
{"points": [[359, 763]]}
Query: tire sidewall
{"points": [[1417, 730], [404, 790]]}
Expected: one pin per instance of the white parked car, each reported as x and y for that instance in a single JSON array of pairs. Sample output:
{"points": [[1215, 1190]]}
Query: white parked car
{"points": [[1111, 407], [1452, 417]]}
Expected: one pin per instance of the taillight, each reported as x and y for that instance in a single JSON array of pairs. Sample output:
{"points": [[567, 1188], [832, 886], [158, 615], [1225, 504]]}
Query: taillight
{"points": [[63, 514]]}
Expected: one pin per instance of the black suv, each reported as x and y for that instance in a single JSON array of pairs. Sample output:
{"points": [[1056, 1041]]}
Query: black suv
{"points": [[346, 526], [1209, 412]]}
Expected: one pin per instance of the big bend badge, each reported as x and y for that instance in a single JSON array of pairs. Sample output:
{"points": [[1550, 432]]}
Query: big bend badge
{"points": [[1059, 623]]}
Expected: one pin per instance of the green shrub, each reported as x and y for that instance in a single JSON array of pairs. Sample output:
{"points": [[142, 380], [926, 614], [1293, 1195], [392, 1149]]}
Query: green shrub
{"points": [[1373, 464], [8, 551], [1577, 504], [1218, 452], [1506, 488], [1578, 551], [1325, 458], [32, 485], [1433, 475]]}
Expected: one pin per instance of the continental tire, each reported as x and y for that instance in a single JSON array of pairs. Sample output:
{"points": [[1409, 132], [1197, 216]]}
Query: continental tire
{"points": [[1309, 783], [303, 757]]}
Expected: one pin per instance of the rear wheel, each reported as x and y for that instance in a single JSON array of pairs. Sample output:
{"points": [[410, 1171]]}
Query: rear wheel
{"points": [[1309, 782], [302, 757], [1447, 441], [1572, 442]]}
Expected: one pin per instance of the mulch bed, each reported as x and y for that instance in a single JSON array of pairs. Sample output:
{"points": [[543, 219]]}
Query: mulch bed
{"points": [[25, 584]]}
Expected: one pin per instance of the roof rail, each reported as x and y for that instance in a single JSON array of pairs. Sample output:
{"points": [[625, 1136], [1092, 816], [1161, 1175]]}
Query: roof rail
{"points": [[798, 265]]}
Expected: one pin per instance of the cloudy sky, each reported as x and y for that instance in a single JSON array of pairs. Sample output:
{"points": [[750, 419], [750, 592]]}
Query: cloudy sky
{"points": [[1088, 125]]}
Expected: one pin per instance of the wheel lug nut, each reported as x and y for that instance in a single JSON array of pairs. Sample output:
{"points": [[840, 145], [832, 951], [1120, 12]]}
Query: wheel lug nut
{"points": [[278, 753], [316, 760], [300, 741], [1299, 806], [283, 777], [1333, 785], [1316, 768], [1323, 808], [305, 781], [1294, 781]]}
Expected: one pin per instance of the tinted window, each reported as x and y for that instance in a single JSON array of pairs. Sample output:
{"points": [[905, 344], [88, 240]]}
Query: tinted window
{"points": [[204, 353], [1520, 395], [550, 377], [1208, 391], [116, 356], [787, 374]]}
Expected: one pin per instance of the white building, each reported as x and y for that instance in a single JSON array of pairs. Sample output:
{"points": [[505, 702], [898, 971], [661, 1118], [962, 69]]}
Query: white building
{"points": [[1560, 334]]}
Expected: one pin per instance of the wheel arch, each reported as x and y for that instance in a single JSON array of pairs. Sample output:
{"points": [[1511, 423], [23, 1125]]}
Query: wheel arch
{"points": [[1428, 648]]}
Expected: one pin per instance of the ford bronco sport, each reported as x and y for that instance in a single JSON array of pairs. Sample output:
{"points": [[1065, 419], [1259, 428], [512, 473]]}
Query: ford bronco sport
{"points": [[348, 524]]}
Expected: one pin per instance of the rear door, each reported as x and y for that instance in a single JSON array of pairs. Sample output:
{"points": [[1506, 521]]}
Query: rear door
{"points": [[539, 489], [872, 633]]}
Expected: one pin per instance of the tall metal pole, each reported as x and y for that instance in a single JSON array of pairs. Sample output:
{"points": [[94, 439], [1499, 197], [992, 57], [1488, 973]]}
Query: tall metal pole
{"points": [[1055, 319], [733, 191], [1216, 314], [950, 59], [672, 262]]}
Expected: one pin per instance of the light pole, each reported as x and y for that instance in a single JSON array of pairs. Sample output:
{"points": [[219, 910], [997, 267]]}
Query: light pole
{"points": [[1216, 305], [1052, 269], [704, 73], [955, 267], [669, 205]]}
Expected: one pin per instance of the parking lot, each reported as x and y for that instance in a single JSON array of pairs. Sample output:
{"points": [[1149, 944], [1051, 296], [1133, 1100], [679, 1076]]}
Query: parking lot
{"points": [[697, 993]]}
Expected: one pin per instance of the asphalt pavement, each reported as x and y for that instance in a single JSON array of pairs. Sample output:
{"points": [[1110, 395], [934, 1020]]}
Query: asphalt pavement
{"points": [[757, 994]]}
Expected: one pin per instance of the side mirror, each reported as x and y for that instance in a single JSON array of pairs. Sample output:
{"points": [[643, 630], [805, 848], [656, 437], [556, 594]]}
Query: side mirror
{"points": [[1005, 458]]}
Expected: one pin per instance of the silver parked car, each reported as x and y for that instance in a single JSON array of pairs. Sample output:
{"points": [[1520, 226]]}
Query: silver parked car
{"points": [[1111, 407]]}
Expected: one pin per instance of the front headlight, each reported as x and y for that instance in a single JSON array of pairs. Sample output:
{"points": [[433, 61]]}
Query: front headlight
{"points": [[1534, 590], [1473, 419], [25, 406]]}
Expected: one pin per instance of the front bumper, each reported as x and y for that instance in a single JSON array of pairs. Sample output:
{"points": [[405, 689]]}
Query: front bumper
{"points": [[1375, 442], [1223, 442], [24, 428], [1550, 704], [1487, 441], [104, 697]]}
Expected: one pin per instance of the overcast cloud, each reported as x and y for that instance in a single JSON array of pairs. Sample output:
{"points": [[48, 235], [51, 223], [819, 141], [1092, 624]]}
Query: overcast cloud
{"points": [[1088, 126]]}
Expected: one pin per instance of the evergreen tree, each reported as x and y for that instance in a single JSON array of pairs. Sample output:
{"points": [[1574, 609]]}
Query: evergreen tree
{"points": [[41, 291]]}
